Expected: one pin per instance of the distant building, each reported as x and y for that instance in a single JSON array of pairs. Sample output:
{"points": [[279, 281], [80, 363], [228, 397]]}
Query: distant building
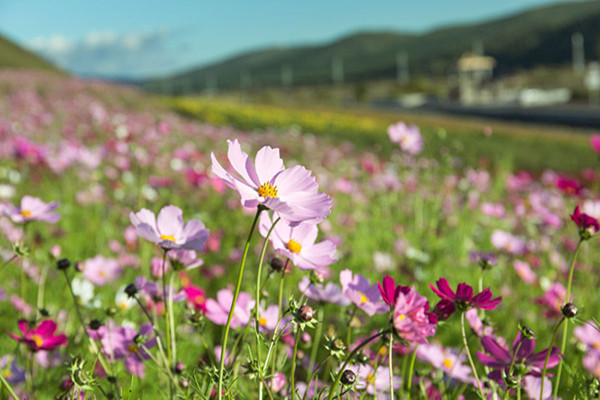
{"points": [[474, 75]]}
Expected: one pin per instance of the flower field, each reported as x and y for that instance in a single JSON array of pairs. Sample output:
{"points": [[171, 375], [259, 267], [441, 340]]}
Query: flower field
{"points": [[148, 254]]}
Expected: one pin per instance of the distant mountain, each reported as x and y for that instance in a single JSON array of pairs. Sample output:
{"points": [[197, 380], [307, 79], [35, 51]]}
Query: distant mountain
{"points": [[14, 56], [540, 36]]}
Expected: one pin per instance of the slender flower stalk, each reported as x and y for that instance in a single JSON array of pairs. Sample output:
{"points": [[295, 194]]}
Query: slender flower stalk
{"points": [[351, 356], [548, 356], [233, 303], [565, 333], [317, 340], [410, 372], [257, 306], [8, 387], [167, 318], [293, 373], [390, 348], [464, 337]]}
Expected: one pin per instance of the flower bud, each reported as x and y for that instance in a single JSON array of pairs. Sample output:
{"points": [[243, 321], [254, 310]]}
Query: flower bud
{"points": [[63, 264], [306, 313], [44, 312], [527, 332], [277, 264], [338, 345], [131, 290], [569, 310], [348, 377], [179, 367], [95, 324]]}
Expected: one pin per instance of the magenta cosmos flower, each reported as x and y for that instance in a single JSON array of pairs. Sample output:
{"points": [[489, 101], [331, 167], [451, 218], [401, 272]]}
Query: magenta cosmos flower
{"points": [[587, 225], [407, 136], [168, 230], [462, 300], [389, 291], [359, 291], [412, 320], [595, 143], [32, 209], [292, 193], [298, 243], [40, 338], [499, 358]]}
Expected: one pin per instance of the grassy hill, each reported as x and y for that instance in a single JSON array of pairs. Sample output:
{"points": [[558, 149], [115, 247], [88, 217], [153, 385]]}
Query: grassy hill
{"points": [[14, 56], [540, 36]]}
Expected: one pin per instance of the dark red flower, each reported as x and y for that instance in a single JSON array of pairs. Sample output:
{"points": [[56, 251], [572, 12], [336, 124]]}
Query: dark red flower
{"points": [[389, 290], [462, 300], [587, 225], [40, 338], [569, 186]]}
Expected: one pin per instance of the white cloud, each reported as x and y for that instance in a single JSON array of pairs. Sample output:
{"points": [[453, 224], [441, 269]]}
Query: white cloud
{"points": [[110, 54]]}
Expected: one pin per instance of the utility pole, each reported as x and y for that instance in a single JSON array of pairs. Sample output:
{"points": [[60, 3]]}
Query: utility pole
{"points": [[578, 53], [402, 72]]}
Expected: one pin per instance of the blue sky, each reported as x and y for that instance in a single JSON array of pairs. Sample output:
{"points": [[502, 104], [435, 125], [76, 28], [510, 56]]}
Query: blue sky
{"points": [[132, 38]]}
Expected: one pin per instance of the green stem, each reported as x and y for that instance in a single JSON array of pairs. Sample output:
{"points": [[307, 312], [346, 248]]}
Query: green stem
{"points": [[464, 337], [563, 345], [349, 332], [8, 387], [314, 373], [391, 367], [317, 341], [548, 356], [257, 308], [167, 319], [280, 313], [293, 374], [411, 368], [233, 303], [350, 357]]}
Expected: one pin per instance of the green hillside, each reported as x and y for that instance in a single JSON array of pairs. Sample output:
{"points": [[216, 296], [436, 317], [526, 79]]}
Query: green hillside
{"points": [[14, 56], [541, 36]]}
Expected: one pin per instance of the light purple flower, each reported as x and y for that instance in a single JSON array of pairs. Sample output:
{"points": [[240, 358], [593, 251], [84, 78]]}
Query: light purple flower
{"points": [[292, 193], [377, 382], [446, 359], [298, 243], [11, 371], [330, 293], [32, 209], [218, 311], [533, 386], [589, 335], [168, 230], [407, 136], [359, 291], [505, 241], [101, 270], [524, 271]]}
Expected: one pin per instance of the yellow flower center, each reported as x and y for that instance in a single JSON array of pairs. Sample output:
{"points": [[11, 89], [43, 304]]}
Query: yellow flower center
{"points": [[37, 339], [371, 379], [262, 321], [266, 190], [447, 363], [383, 351], [293, 246], [133, 348], [7, 373], [26, 213], [124, 305], [363, 298], [596, 345], [401, 317], [167, 237]]}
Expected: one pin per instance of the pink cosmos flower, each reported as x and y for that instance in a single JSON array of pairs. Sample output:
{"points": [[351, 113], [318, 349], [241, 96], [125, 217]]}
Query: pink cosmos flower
{"points": [[101, 270], [505, 241], [595, 143], [463, 299], [196, 297], [377, 382], [359, 291], [218, 311], [291, 193], [298, 243], [448, 360], [40, 338], [408, 136], [168, 230], [389, 291], [552, 300], [330, 293], [589, 335], [533, 386], [569, 186], [500, 358], [585, 222], [32, 209], [524, 271], [476, 323], [412, 320], [493, 210]]}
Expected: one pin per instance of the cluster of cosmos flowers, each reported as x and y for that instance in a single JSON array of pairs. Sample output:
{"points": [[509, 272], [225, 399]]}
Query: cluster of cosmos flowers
{"points": [[302, 348]]}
